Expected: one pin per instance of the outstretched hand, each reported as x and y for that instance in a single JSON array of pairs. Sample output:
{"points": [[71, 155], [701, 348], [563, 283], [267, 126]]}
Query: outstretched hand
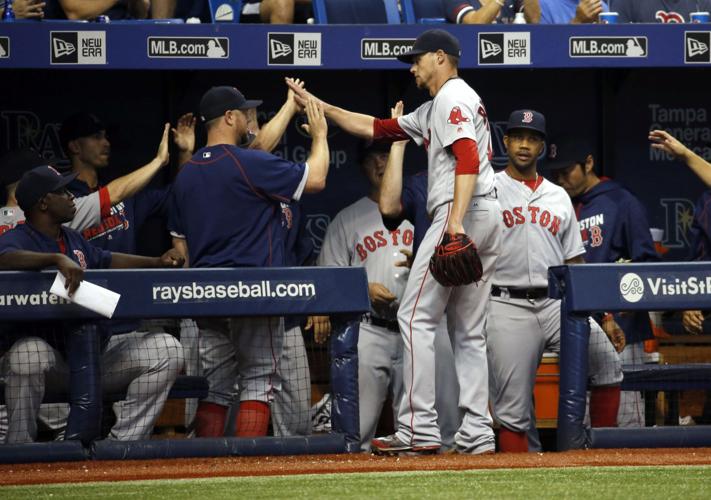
{"points": [[184, 133], [317, 126], [301, 95], [163, 155], [668, 143], [291, 95]]}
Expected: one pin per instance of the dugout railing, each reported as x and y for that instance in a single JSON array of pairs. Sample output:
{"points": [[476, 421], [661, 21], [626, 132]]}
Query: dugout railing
{"points": [[340, 293], [584, 289]]}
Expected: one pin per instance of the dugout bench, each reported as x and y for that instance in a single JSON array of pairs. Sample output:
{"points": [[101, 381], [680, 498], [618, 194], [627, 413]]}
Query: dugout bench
{"points": [[339, 292]]}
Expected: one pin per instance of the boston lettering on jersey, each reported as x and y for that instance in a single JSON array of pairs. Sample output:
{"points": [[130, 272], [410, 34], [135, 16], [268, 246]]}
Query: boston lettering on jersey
{"points": [[517, 216], [116, 220], [380, 238], [591, 230]]}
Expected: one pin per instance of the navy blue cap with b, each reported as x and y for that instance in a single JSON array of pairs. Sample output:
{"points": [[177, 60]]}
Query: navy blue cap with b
{"points": [[565, 152], [38, 182], [432, 41], [527, 119], [218, 100]]}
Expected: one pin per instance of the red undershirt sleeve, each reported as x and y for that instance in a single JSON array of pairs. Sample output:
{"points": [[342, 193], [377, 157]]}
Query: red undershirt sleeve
{"points": [[467, 155], [388, 129], [104, 202]]}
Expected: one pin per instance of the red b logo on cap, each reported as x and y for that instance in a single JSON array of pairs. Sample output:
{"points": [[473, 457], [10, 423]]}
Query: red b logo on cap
{"points": [[527, 117]]}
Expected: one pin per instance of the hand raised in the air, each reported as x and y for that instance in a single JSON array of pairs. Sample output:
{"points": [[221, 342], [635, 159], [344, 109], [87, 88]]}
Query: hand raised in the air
{"points": [[291, 95], [317, 126], [163, 155], [301, 95], [184, 133], [668, 143]]}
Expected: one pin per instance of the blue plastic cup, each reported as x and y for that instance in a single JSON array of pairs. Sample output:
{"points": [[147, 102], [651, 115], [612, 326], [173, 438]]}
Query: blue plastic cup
{"points": [[699, 17], [608, 18]]}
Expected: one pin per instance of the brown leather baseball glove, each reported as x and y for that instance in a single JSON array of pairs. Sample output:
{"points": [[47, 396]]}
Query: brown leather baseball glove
{"points": [[455, 261]]}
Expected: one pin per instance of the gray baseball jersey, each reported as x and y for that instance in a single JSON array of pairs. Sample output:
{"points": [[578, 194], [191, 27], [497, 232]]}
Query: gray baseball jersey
{"points": [[357, 237], [455, 113], [540, 230], [90, 209]]}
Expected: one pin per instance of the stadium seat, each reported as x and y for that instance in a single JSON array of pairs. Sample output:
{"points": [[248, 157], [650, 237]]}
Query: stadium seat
{"points": [[225, 10], [424, 11], [356, 12]]}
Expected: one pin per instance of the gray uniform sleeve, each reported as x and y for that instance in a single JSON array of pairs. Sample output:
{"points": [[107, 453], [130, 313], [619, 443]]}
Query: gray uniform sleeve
{"points": [[88, 212], [571, 240], [411, 123], [335, 250]]}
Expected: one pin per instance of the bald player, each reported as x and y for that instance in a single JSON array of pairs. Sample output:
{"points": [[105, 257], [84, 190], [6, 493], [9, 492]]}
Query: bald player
{"points": [[540, 230], [454, 129]]}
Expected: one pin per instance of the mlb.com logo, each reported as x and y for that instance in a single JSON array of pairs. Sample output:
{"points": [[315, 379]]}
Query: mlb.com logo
{"points": [[294, 49], [77, 47], [511, 48], [696, 47]]}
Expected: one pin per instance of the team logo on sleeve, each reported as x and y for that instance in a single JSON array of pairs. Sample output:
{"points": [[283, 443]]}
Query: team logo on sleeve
{"points": [[456, 117], [80, 258]]}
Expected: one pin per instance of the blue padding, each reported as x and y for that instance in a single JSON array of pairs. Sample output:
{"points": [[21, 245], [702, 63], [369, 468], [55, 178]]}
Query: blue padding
{"points": [[666, 377], [196, 293], [55, 451], [652, 437], [83, 346], [416, 11], [574, 335], [218, 447], [359, 12], [345, 418]]}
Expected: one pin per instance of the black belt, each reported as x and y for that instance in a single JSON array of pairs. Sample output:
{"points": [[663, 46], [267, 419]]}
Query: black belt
{"points": [[390, 324], [520, 293]]}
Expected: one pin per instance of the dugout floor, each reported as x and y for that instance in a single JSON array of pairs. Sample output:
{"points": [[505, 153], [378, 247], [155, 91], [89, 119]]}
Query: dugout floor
{"points": [[74, 472]]}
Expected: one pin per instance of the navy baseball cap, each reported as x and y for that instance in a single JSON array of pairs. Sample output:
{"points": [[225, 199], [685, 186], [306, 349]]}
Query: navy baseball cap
{"points": [[563, 153], [432, 41], [79, 125], [38, 182], [15, 163], [528, 119], [219, 100]]}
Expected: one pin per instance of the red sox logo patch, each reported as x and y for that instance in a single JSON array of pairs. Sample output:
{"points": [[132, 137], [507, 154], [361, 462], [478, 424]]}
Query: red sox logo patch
{"points": [[80, 258], [456, 117], [669, 17]]}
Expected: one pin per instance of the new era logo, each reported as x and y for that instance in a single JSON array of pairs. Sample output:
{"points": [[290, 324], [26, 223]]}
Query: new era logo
{"points": [[297, 49], [279, 49], [77, 47], [62, 48], [696, 47], [512, 48], [490, 49]]}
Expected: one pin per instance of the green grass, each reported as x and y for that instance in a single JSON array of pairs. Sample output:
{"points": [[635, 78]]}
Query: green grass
{"points": [[668, 483]]}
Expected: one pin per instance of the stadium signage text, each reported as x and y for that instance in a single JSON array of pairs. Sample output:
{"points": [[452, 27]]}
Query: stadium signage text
{"points": [[202, 292], [512, 48], [608, 46], [384, 48], [294, 49], [634, 287], [77, 47], [697, 47], [188, 47]]}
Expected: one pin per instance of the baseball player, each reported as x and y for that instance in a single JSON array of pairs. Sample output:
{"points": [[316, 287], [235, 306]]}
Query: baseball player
{"points": [[571, 11], [249, 187], [540, 229], [406, 199], [144, 363], [614, 228], [454, 128], [357, 237]]}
